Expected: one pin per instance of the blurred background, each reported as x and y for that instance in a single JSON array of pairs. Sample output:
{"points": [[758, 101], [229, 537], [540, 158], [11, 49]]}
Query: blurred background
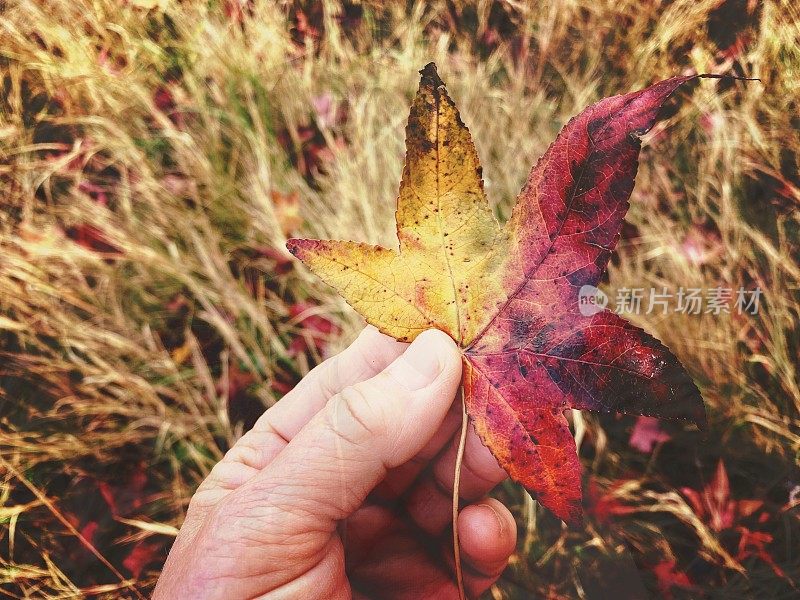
{"points": [[155, 155]]}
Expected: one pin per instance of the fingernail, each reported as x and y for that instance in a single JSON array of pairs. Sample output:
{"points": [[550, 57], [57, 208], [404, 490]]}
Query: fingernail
{"points": [[497, 516], [423, 360]]}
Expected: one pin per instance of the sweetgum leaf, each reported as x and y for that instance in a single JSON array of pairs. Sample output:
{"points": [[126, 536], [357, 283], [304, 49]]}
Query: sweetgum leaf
{"points": [[509, 295]]}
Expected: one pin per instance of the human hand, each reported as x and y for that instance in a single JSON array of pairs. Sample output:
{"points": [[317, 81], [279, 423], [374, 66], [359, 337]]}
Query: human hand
{"points": [[343, 489]]}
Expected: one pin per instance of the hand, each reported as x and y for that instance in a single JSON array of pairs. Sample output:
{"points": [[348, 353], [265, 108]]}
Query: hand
{"points": [[343, 489]]}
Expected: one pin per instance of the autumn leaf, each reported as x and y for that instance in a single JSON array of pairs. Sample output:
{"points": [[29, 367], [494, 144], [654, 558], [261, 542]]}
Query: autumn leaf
{"points": [[714, 505], [509, 296], [668, 577], [647, 434], [754, 543], [92, 238], [604, 504]]}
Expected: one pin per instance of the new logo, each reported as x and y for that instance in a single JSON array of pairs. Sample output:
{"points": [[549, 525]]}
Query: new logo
{"points": [[591, 300]]}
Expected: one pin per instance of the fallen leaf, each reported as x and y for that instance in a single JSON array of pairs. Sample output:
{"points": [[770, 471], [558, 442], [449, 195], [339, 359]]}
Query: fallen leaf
{"points": [[92, 238], [754, 543], [89, 530], [236, 382], [646, 434], [714, 505], [282, 263], [510, 296], [604, 504], [316, 329], [142, 555], [126, 497], [668, 577]]}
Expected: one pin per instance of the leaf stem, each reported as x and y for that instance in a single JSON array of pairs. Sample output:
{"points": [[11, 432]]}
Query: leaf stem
{"points": [[456, 481]]}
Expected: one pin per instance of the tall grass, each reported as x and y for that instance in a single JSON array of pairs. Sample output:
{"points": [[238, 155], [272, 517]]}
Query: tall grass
{"points": [[149, 154]]}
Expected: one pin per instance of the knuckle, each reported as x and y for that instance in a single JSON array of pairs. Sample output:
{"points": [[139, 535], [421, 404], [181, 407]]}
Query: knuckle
{"points": [[353, 417], [246, 454], [330, 378], [204, 500]]}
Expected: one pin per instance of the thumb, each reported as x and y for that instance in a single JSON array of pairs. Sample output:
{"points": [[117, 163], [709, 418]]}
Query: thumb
{"points": [[336, 460]]}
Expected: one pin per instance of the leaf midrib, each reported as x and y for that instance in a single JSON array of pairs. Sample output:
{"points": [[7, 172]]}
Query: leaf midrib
{"points": [[526, 278], [456, 305]]}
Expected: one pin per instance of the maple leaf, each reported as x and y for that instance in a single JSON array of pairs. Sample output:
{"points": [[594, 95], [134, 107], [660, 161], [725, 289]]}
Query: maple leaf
{"points": [[509, 296], [714, 504]]}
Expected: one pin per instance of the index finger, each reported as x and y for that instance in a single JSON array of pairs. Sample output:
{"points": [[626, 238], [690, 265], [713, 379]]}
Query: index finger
{"points": [[368, 355]]}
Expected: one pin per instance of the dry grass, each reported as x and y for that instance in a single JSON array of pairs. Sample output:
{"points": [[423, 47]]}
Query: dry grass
{"points": [[147, 311]]}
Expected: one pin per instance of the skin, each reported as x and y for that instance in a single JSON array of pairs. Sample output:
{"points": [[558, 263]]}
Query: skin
{"points": [[343, 489]]}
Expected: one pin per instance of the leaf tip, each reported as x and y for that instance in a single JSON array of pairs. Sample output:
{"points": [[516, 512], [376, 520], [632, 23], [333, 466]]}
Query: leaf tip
{"points": [[570, 512], [700, 418], [430, 76], [576, 519], [726, 76], [692, 399], [295, 246]]}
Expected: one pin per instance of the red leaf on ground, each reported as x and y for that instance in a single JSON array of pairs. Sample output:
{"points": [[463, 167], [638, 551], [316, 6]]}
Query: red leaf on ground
{"points": [[754, 543], [88, 531], [126, 497], [236, 383], [142, 555], [316, 328], [282, 387], [646, 434], [714, 505], [668, 577], [603, 505], [92, 238]]}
